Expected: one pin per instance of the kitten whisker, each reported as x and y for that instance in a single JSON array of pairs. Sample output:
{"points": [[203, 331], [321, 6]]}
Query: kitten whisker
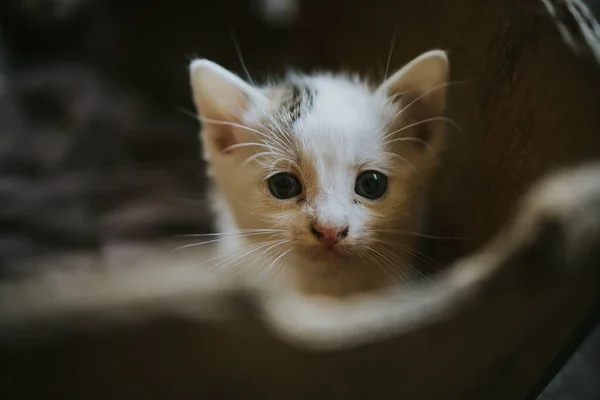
{"points": [[281, 272], [381, 69], [425, 93], [403, 159], [372, 259], [248, 144], [411, 139], [188, 113], [238, 51], [392, 98], [411, 233], [240, 126], [217, 240], [423, 257], [228, 258], [247, 253], [428, 261], [424, 121], [258, 261], [271, 246], [265, 258], [281, 135], [273, 263], [272, 168], [397, 259], [390, 53], [256, 156], [265, 231], [227, 255], [286, 140], [280, 129], [389, 269]]}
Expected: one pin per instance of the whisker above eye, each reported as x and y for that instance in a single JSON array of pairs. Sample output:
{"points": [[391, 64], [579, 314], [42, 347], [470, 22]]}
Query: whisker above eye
{"points": [[425, 93], [258, 155], [424, 121], [403, 159], [274, 143], [248, 144], [390, 53], [238, 51], [268, 137], [410, 139]]}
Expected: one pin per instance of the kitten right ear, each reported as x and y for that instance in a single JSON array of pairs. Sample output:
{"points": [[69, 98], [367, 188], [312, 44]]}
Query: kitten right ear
{"points": [[221, 98], [420, 87]]}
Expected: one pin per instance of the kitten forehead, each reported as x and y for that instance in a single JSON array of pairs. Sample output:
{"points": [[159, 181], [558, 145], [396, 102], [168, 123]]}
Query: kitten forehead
{"points": [[342, 105], [296, 101], [345, 115]]}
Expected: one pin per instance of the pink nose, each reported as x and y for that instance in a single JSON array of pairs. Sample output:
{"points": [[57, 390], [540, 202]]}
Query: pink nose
{"points": [[329, 234]]}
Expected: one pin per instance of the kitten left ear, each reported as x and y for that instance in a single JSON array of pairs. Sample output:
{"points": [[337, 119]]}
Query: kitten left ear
{"points": [[421, 88], [222, 97]]}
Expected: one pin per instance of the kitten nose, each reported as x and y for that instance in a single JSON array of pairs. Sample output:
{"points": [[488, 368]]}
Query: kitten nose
{"points": [[329, 234]]}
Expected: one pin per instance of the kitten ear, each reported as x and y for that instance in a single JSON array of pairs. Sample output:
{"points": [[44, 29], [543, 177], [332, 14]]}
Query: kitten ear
{"points": [[221, 98], [420, 90]]}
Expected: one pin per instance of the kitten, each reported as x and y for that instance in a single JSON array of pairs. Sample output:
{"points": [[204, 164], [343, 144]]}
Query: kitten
{"points": [[322, 175]]}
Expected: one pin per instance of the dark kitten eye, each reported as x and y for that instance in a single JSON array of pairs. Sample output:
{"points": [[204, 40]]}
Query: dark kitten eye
{"points": [[284, 185], [371, 184]]}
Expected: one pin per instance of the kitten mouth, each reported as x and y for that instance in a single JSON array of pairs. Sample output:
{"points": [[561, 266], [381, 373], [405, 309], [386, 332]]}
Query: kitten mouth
{"points": [[328, 251]]}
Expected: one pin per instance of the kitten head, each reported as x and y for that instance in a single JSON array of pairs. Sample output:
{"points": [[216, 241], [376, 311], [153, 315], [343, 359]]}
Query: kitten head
{"points": [[334, 163]]}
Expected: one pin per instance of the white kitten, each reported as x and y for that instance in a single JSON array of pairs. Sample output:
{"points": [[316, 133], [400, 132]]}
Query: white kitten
{"points": [[322, 174]]}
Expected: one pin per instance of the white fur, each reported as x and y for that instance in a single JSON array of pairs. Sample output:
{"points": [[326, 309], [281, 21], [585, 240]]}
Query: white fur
{"points": [[342, 134]]}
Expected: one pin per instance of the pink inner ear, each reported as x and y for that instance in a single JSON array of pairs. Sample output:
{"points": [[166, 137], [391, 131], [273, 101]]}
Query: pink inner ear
{"points": [[425, 134], [222, 139], [224, 143]]}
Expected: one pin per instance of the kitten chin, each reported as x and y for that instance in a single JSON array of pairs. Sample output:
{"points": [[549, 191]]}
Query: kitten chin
{"points": [[322, 161], [341, 279]]}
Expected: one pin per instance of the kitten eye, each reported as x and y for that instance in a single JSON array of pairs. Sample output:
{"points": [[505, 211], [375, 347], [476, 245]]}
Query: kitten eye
{"points": [[284, 185], [371, 184]]}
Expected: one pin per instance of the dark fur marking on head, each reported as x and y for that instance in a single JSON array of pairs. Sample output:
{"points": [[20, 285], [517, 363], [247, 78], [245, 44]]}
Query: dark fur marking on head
{"points": [[299, 99], [295, 106]]}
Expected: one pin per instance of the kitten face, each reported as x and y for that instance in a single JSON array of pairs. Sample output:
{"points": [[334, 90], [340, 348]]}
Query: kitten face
{"points": [[332, 137], [334, 164]]}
